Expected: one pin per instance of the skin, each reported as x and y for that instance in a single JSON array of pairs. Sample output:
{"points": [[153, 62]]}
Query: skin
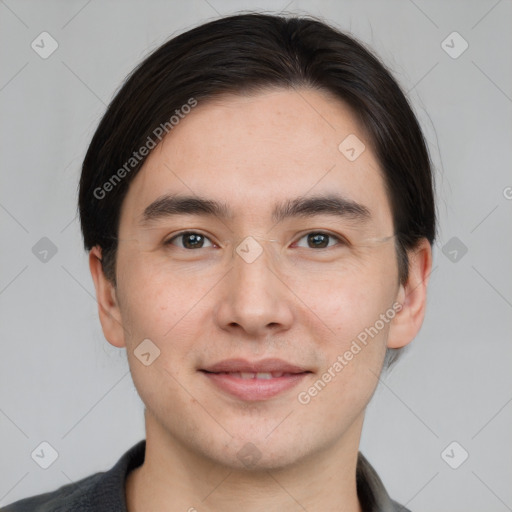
{"points": [[201, 306]]}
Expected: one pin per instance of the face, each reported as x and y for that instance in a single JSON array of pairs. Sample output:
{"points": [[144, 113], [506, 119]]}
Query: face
{"points": [[278, 273]]}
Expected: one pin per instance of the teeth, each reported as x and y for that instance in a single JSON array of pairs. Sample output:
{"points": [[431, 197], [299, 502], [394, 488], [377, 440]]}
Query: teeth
{"points": [[259, 375]]}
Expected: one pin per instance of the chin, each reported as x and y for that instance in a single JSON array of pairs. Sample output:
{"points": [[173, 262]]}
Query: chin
{"points": [[258, 453]]}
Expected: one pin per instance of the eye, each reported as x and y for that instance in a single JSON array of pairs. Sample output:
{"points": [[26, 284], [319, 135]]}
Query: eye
{"points": [[190, 240], [320, 240]]}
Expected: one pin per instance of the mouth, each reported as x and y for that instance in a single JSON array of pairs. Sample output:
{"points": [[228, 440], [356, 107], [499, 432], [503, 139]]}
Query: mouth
{"points": [[254, 381]]}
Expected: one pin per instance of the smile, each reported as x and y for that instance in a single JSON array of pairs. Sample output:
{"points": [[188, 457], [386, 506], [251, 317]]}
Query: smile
{"points": [[254, 381]]}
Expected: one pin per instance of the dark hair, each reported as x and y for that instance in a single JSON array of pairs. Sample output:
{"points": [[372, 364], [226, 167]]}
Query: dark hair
{"points": [[248, 53]]}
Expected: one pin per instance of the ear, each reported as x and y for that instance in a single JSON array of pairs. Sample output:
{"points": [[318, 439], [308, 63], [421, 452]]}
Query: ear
{"points": [[413, 297], [108, 307]]}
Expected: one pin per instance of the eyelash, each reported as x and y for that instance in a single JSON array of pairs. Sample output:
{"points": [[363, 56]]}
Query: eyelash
{"points": [[341, 241]]}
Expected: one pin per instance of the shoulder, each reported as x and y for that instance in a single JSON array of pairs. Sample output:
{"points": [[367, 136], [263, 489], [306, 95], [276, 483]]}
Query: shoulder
{"points": [[398, 507], [101, 492], [371, 491], [69, 497]]}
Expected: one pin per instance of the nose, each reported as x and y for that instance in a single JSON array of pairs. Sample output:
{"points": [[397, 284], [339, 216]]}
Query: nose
{"points": [[254, 300]]}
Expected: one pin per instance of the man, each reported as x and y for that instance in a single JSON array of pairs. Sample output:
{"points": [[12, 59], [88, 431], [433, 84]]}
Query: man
{"points": [[258, 206]]}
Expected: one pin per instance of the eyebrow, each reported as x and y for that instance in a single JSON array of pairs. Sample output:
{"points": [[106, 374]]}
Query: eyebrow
{"points": [[332, 204]]}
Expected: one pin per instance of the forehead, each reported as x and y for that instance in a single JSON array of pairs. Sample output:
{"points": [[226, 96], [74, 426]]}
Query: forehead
{"points": [[255, 151]]}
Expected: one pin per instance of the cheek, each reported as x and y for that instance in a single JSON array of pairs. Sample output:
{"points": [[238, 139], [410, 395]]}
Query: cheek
{"points": [[161, 309], [353, 312], [353, 349], [156, 301], [346, 303]]}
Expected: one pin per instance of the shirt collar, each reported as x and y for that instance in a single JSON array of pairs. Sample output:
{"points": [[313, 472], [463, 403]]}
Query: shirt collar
{"points": [[370, 489]]}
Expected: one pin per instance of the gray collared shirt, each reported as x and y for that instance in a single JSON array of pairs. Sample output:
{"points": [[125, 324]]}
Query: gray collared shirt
{"points": [[371, 491], [105, 491]]}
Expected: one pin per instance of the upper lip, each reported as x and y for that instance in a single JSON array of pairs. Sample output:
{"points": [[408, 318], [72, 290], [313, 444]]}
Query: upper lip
{"points": [[263, 366]]}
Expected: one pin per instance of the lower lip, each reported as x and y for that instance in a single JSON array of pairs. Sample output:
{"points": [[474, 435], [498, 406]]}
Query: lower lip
{"points": [[254, 389]]}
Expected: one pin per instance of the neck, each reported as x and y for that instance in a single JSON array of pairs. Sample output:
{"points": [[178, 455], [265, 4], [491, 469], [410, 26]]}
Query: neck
{"points": [[174, 474]]}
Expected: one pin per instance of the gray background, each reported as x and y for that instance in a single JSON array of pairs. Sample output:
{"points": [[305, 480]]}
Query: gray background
{"points": [[62, 383]]}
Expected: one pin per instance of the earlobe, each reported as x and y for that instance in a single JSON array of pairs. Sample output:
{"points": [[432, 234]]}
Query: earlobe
{"points": [[108, 307], [413, 297]]}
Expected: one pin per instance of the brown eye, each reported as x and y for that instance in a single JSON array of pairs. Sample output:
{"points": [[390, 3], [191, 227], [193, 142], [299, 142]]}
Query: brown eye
{"points": [[319, 240], [190, 240]]}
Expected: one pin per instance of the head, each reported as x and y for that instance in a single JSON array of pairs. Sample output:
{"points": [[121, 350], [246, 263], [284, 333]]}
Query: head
{"points": [[242, 119]]}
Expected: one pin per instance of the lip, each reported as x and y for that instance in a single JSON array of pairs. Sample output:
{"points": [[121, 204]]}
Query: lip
{"points": [[225, 376], [265, 365]]}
